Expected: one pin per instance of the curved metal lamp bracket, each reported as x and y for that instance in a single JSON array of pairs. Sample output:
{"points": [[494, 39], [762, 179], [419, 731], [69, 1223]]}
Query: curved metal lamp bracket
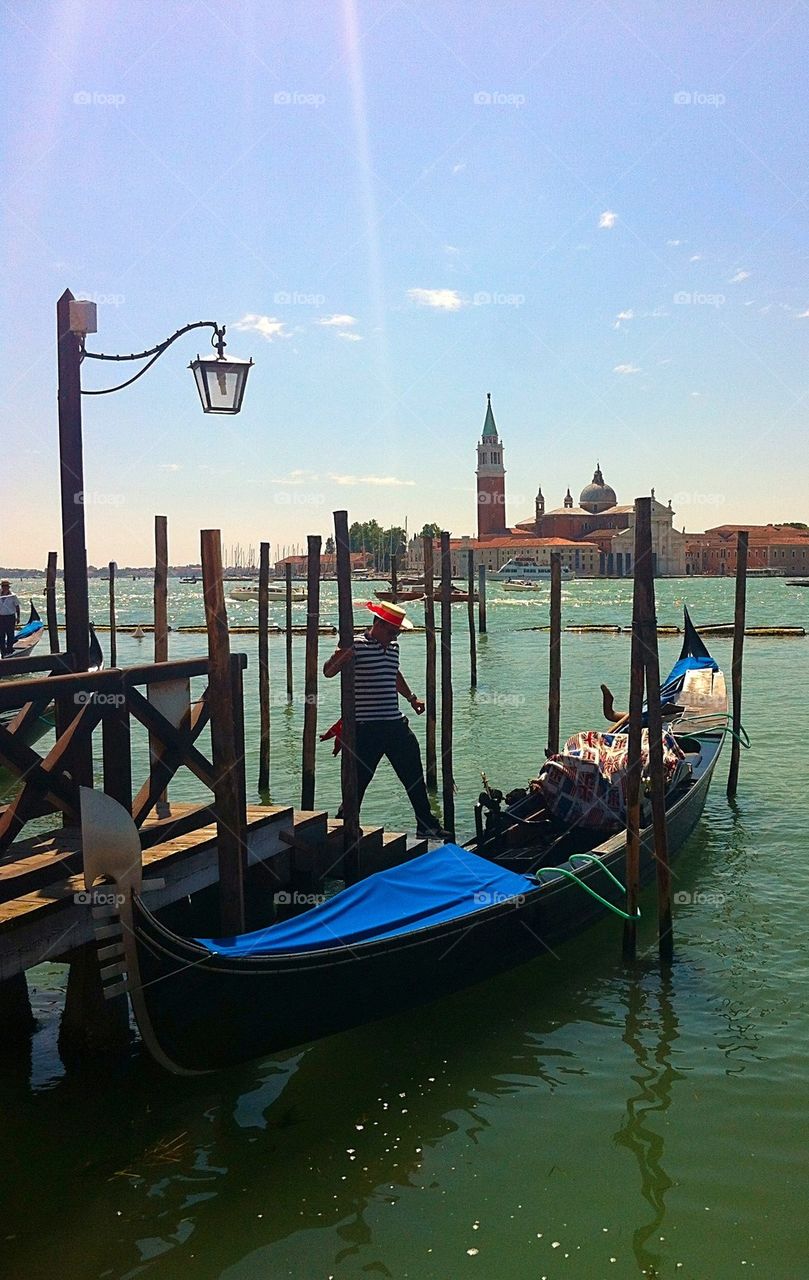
{"points": [[217, 341]]}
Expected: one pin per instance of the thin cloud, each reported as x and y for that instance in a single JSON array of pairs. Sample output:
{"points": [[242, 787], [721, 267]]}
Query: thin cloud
{"points": [[459, 167], [440, 299], [169, 466], [626, 368], [621, 316], [695, 257], [268, 326], [350, 337], [607, 220], [803, 315], [295, 477], [739, 276], [337, 321], [387, 481]]}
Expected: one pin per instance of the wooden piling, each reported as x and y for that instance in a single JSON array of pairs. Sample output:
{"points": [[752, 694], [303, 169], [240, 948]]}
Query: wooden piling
{"points": [[555, 654], [50, 603], [311, 674], [633, 777], [161, 564], [644, 576], [736, 662], [447, 779], [113, 631], [482, 599], [431, 771], [230, 816], [348, 755], [394, 576], [288, 579], [264, 669], [470, 610], [90, 1024]]}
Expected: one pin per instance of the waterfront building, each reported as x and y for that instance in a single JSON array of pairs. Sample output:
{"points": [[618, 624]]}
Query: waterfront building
{"points": [[770, 546]]}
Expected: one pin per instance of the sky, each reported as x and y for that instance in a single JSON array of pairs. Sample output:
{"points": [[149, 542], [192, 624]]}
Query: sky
{"points": [[595, 211]]}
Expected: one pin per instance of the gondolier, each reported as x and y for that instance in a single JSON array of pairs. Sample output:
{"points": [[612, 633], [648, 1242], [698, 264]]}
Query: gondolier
{"points": [[382, 730], [9, 618]]}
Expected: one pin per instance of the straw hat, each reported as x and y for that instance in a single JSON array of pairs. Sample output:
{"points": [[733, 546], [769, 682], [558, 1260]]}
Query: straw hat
{"points": [[391, 613]]}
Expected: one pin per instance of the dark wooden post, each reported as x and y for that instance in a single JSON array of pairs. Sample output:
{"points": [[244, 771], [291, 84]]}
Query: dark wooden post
{"points": [[161, 564], [431, 770], [113, 621], [736, 662], [447, 778], [310, 677], [348, 755], [470, 611], [264, 669], [555, 654], [79, 757], [633, 778], [644, 578], [230, 816], [71, 474], [288, 579], [482, 599], [50, 603], [394, 576]]}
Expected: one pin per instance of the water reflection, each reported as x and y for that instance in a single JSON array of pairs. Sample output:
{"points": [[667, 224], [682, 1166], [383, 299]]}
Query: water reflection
{"points": [[650, 1032]]}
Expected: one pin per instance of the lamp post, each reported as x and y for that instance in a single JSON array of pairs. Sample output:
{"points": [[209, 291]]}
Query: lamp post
{"points": [[220, 380]]}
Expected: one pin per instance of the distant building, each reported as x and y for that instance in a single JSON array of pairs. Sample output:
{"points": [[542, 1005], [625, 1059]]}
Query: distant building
{"points": [[770, 546], [491, 480]]}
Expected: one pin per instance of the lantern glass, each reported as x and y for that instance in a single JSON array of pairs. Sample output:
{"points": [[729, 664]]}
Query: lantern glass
{"points": [[220, 383]]}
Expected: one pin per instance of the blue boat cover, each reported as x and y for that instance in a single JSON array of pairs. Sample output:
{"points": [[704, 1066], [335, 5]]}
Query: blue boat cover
{"points": [[443, 885]]}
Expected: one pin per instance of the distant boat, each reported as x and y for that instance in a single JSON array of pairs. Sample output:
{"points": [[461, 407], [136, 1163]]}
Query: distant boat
{"points": [[524, 586], [28, 635], [275, 592], [519, 569], [192, 580]]}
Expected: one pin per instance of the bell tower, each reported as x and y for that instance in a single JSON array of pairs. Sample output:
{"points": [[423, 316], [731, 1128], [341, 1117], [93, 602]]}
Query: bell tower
{"points": [[539, 509], [491, 479]]}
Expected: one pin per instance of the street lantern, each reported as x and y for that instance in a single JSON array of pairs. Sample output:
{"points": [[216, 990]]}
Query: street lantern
{"points": [[220, 380]]}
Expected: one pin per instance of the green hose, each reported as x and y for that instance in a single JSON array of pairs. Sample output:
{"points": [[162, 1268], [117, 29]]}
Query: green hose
{"points": [[571, 875], [742, 737]]}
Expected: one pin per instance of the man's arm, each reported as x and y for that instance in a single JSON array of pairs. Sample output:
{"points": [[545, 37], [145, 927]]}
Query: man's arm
{"points": [[337, 661], [403, 688]]}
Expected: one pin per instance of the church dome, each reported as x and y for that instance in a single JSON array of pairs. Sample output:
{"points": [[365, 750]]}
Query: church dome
{"points": [[597, 496]]}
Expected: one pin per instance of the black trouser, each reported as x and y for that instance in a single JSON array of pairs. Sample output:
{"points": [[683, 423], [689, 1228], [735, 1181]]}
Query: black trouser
{"points": [[7, 627], [396, 740]]}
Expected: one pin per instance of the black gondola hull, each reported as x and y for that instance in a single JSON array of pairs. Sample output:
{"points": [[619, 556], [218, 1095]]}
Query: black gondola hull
{"points": [[202, 1011]]}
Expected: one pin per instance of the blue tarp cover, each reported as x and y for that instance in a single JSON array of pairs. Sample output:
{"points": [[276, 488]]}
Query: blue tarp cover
{"points": [[439, 886]]}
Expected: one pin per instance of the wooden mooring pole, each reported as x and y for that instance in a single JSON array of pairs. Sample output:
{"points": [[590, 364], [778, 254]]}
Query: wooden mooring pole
{"points": [[50, 602], [161, 617], [264, 670], [348, 755], [736, 661], [310, 697], [633, 776], [288, 615], [482, 599], [470, 608], [431, 771], [447, 779], [113, 623], [555, 654], [230, 815]]}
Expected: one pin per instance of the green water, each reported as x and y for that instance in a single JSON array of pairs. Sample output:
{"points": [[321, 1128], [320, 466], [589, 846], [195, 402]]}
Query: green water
{"points": [[571, 1119]]}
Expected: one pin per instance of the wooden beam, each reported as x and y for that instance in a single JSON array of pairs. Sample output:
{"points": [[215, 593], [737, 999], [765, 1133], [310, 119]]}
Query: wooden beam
{"points": [[310, 698], [113, 621], [736, 661], [470, 610], [555, 654], [230, 818], [348, 755], [50, 602], [264, 669], [288, 637], [431, 769], [447, 778]]}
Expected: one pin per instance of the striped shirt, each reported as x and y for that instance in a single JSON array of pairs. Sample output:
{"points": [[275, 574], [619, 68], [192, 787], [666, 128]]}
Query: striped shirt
{"points": [[375, 671]]}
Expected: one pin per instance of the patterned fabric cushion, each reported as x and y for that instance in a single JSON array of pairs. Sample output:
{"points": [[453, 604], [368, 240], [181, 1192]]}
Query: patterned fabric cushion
{"points": [[586, 783]]}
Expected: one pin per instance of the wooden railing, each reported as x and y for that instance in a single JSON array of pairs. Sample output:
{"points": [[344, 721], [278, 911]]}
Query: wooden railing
{"points": [[155, 695]]}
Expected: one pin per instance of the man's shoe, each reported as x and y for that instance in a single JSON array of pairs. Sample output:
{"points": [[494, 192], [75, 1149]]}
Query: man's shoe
{"points": [[431, 833]]}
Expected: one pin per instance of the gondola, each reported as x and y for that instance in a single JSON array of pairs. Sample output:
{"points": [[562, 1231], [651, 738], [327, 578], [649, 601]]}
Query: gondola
{"points": [[441, 922], [29, 635]]}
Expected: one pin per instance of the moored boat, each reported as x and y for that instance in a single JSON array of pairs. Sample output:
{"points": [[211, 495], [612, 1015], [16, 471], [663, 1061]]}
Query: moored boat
{"points": [[521, 569], [446, 920]]}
